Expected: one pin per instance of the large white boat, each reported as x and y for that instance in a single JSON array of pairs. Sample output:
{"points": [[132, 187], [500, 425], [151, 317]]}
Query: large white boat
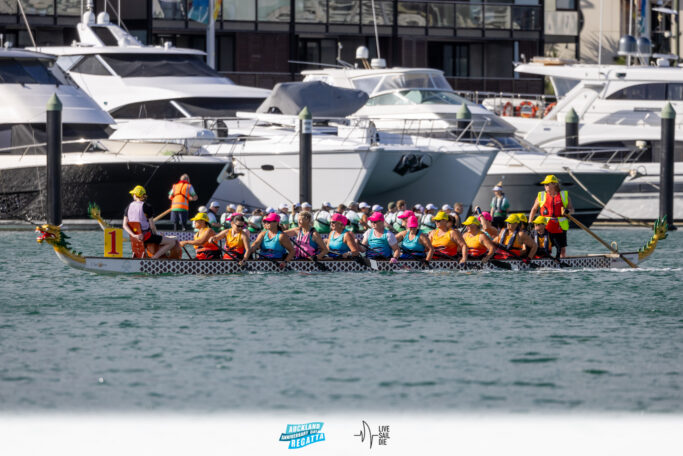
{"points": [[619, 110], [420, 101], [94, 167]]}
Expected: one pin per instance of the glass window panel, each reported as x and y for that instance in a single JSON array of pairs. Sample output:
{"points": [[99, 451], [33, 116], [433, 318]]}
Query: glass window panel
{"points": [[441, 15], [526, 18], [8, 6], [312, 11], [497, 17], [439, 81], [25, 72], [387, 99], [169, 9], [39, 7], [91, 65], [384, 11], [565, 4], [273, 10], [468, 16], [239, 10], [675, 92], [406, 80], [411, 14], [526, 2], [641, 92], [461, 60], [367, 85], [69, 8], [345, 11]]}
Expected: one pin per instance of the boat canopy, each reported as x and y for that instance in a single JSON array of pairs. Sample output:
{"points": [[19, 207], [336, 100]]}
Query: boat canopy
{"points": [[322, 100]]}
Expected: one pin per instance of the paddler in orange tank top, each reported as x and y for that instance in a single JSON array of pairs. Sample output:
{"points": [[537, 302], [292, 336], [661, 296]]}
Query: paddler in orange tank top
{"points": [[236, 239], [446, 242], [479, 245], [206, 250], [514, 242]]}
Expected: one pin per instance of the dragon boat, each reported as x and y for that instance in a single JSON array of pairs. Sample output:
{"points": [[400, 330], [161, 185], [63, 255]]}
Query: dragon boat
{"points": [[59, 240]]}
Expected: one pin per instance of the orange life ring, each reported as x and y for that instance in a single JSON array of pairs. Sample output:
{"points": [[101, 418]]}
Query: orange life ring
{"points": [[527, 109], [508, 110], [548, 109]]}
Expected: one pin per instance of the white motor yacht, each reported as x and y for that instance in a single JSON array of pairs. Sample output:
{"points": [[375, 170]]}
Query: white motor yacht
{"points": [[420, 101], [95, 168]]}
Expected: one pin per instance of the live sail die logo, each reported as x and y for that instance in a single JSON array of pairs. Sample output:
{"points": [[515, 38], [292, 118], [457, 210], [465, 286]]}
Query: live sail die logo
{"points": [[380, 437], [301, 435]]}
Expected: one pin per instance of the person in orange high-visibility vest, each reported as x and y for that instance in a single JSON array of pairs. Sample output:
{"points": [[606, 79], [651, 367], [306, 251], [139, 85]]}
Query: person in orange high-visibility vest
{"points": [[180, 195], [553, 203]]}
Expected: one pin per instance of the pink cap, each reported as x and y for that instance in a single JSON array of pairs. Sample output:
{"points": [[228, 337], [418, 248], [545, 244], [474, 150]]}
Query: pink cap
{"points": [[487, 216], [412, 222], [272, 217], [340, 218], [406, 214], [376, 217]]}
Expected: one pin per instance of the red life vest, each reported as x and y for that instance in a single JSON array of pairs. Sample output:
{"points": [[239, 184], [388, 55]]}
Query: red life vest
{"points": [[551, 207], [511, 243], [208, 250], [180, 196]]}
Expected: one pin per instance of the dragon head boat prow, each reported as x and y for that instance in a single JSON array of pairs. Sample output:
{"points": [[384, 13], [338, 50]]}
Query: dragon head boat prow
{"points": [[660, 228], [53, 235]]}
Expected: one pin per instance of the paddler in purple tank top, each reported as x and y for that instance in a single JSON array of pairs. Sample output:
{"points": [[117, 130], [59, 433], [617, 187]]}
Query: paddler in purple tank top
{"points": [[139, 211], [307, 241]]}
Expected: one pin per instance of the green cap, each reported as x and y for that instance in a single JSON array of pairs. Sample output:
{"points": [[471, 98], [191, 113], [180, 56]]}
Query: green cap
{"points": [[53, 103], [305, 114], [464, 113], [668, 112], [572, 117]]}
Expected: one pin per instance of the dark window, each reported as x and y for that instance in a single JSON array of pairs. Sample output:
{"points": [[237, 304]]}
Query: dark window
{"points": [[17, 71], [105, 35], [157, 65], [90, 65], [674, 92], [317, 51], [452, 58], [158, 109], [218, 107], [641, 92], [565, 4]]}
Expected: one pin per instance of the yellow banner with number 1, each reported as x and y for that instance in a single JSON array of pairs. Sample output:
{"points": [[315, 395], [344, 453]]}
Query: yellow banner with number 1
{"points": [[113, 242]]}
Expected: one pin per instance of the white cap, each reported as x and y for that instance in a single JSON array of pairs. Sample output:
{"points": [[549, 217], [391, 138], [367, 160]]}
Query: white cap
{"points": [[377, 208], [283, 206], [497, 188], [215, 204], [202, 209], [232, 206], [446, 207], [270, 210], [306, 205], [431, 207], [327, 204], [363, 205], [419, 207], [296, 205]]}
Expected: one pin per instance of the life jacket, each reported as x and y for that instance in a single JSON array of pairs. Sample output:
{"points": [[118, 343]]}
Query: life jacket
{"points": [[475, 247], [180, 196], [426, 223], [306, 247], [234, 244], [497, 206], [443, 243], [208, 250], [509, 241], [544, 244], [552, 208], [321, 225], [354, 221]]}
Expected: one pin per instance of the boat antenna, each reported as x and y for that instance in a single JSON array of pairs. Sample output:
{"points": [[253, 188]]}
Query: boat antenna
{"points": [[630, 27], [117, 12], [339, 59], [600, 37], [28, 27], [374, 22]]}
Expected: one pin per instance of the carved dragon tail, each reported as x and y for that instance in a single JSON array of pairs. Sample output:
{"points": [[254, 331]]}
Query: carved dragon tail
{"points": [[95, 214], [660, 229]]}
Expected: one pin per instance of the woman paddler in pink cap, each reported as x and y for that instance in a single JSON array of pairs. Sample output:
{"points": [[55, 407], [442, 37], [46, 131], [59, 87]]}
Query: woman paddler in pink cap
{"points": [[487, 227], [414, 244], [272, 243], [308, 242], [341, 243], [378, 241]]}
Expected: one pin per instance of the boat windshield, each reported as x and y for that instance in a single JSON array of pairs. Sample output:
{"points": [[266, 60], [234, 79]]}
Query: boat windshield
{"points": [[410, 80], [158, 65], [20, 71], [417, 96]]}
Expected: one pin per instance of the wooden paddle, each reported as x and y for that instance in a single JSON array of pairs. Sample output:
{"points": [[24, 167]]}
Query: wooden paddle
{"points": [[597, 238], [162, 215]]}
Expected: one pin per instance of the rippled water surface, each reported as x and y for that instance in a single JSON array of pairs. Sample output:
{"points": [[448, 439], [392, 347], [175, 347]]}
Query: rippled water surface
{"points": [[486, 341]]}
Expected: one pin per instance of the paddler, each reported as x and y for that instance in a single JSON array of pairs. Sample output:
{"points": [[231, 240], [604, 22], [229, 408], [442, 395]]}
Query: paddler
{"points": [[236, 239], [341, 243], [307, 243], [294, 217], [403, 219], [427, 225], [180, 195], [255, 221], [212, 213], [523, 222], [479, 245], [390, 216], [446, 241], [227, 215], [204, 248], [414, 244], [487, 227], [511, 240], [542, 238], [364, 215], [353, 217], [553, 203], [141, 214], [321, 219], [283, 213], [272, 243], [380, 242]]}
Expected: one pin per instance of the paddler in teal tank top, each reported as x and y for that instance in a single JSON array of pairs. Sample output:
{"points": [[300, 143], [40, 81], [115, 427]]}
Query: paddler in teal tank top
{"points": [[341, 243], [272, 242], [380, 242], [414, 244]]}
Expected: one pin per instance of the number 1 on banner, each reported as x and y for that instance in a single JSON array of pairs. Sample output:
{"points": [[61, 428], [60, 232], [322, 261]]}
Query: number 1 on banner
{"points": [[113, 242]]}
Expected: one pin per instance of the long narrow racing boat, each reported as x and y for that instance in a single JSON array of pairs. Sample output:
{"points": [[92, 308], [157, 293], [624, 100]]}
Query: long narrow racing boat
{"points": [[53, 235]]}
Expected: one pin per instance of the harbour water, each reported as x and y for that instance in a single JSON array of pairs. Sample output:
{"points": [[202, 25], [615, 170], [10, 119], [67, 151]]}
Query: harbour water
{"points": [[540, 341]]}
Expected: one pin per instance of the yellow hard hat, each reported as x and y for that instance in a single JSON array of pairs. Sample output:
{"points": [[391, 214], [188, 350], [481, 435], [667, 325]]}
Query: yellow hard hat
{"points": [[441, 215], [540, 220], [512, 218], [138, 191], [550, 179], [201, 216], [472, 220]]}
